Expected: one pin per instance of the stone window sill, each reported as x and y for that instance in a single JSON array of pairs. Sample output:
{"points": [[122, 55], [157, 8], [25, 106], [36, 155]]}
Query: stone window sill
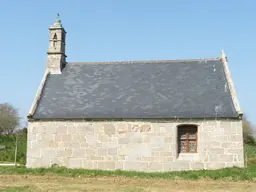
{"points": [[188, 157]]}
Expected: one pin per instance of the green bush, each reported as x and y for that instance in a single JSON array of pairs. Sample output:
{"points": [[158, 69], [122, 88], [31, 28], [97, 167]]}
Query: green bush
{"points": [[249, 139], [7, 155], [250, 151], [248, 132]]}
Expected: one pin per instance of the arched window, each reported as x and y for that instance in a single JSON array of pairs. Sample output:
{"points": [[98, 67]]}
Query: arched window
{"points": [[187, 138], [54, 40], [55, 37]]}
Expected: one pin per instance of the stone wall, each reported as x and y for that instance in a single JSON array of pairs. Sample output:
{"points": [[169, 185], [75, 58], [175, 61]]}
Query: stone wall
{"points": [[133, 145]]}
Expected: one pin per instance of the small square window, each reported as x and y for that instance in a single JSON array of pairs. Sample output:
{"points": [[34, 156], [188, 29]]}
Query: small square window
{"points": [[187, 138]]}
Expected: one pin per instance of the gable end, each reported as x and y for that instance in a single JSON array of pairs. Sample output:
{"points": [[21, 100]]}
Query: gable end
{"points": [[38, 95], [231, 84]]}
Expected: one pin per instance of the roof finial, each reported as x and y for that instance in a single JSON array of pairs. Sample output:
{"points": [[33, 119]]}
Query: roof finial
{"points": [[58, 21], [223, 56], [58, 18], [222, 52]]}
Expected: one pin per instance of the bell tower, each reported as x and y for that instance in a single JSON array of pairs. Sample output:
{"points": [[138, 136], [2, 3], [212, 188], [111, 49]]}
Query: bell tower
{"points": [[56, 59]]}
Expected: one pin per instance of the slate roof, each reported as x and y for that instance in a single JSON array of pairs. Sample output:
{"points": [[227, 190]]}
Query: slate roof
{"points": [[146, 89]]}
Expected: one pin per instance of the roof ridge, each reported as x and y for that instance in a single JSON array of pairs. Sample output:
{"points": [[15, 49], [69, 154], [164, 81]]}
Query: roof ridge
{"points": [[144, 61]]}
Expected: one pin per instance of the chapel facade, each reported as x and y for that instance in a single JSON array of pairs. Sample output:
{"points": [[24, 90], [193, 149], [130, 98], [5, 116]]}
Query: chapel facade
{"points": [[156, 115]]}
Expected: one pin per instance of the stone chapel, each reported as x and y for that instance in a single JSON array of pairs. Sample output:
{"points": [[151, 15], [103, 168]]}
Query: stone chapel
{"points": [[151, 115]]}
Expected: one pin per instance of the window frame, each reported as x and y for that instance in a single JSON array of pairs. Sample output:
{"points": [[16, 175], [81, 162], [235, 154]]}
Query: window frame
{"points": [[187, 127]]}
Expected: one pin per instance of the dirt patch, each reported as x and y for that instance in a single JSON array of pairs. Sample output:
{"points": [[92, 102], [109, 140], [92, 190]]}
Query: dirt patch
{"points": [[116, 184]]}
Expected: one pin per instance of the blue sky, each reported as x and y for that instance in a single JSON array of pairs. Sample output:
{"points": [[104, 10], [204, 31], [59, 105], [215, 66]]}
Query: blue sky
{"points": [[111, 30]]}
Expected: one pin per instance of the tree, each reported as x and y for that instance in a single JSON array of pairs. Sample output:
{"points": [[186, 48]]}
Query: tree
{"points": [[9, 118], [248, 131]]}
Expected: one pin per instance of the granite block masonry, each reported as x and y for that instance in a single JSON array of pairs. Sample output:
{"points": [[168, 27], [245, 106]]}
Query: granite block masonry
{"points": [[148, 145]]}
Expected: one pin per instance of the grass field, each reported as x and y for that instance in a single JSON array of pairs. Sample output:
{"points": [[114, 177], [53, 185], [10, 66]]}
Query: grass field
{"points": [[230, 174], [116, 184], [62, 179]]}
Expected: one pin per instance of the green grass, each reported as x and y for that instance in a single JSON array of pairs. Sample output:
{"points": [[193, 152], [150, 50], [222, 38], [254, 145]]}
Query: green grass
{"points": [[250, 151], [133, 190], [234, 173], [16, 189]]}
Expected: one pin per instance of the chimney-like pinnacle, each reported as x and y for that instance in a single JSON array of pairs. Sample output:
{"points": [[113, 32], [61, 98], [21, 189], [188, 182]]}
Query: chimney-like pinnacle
{"points": [[58, 21]]}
